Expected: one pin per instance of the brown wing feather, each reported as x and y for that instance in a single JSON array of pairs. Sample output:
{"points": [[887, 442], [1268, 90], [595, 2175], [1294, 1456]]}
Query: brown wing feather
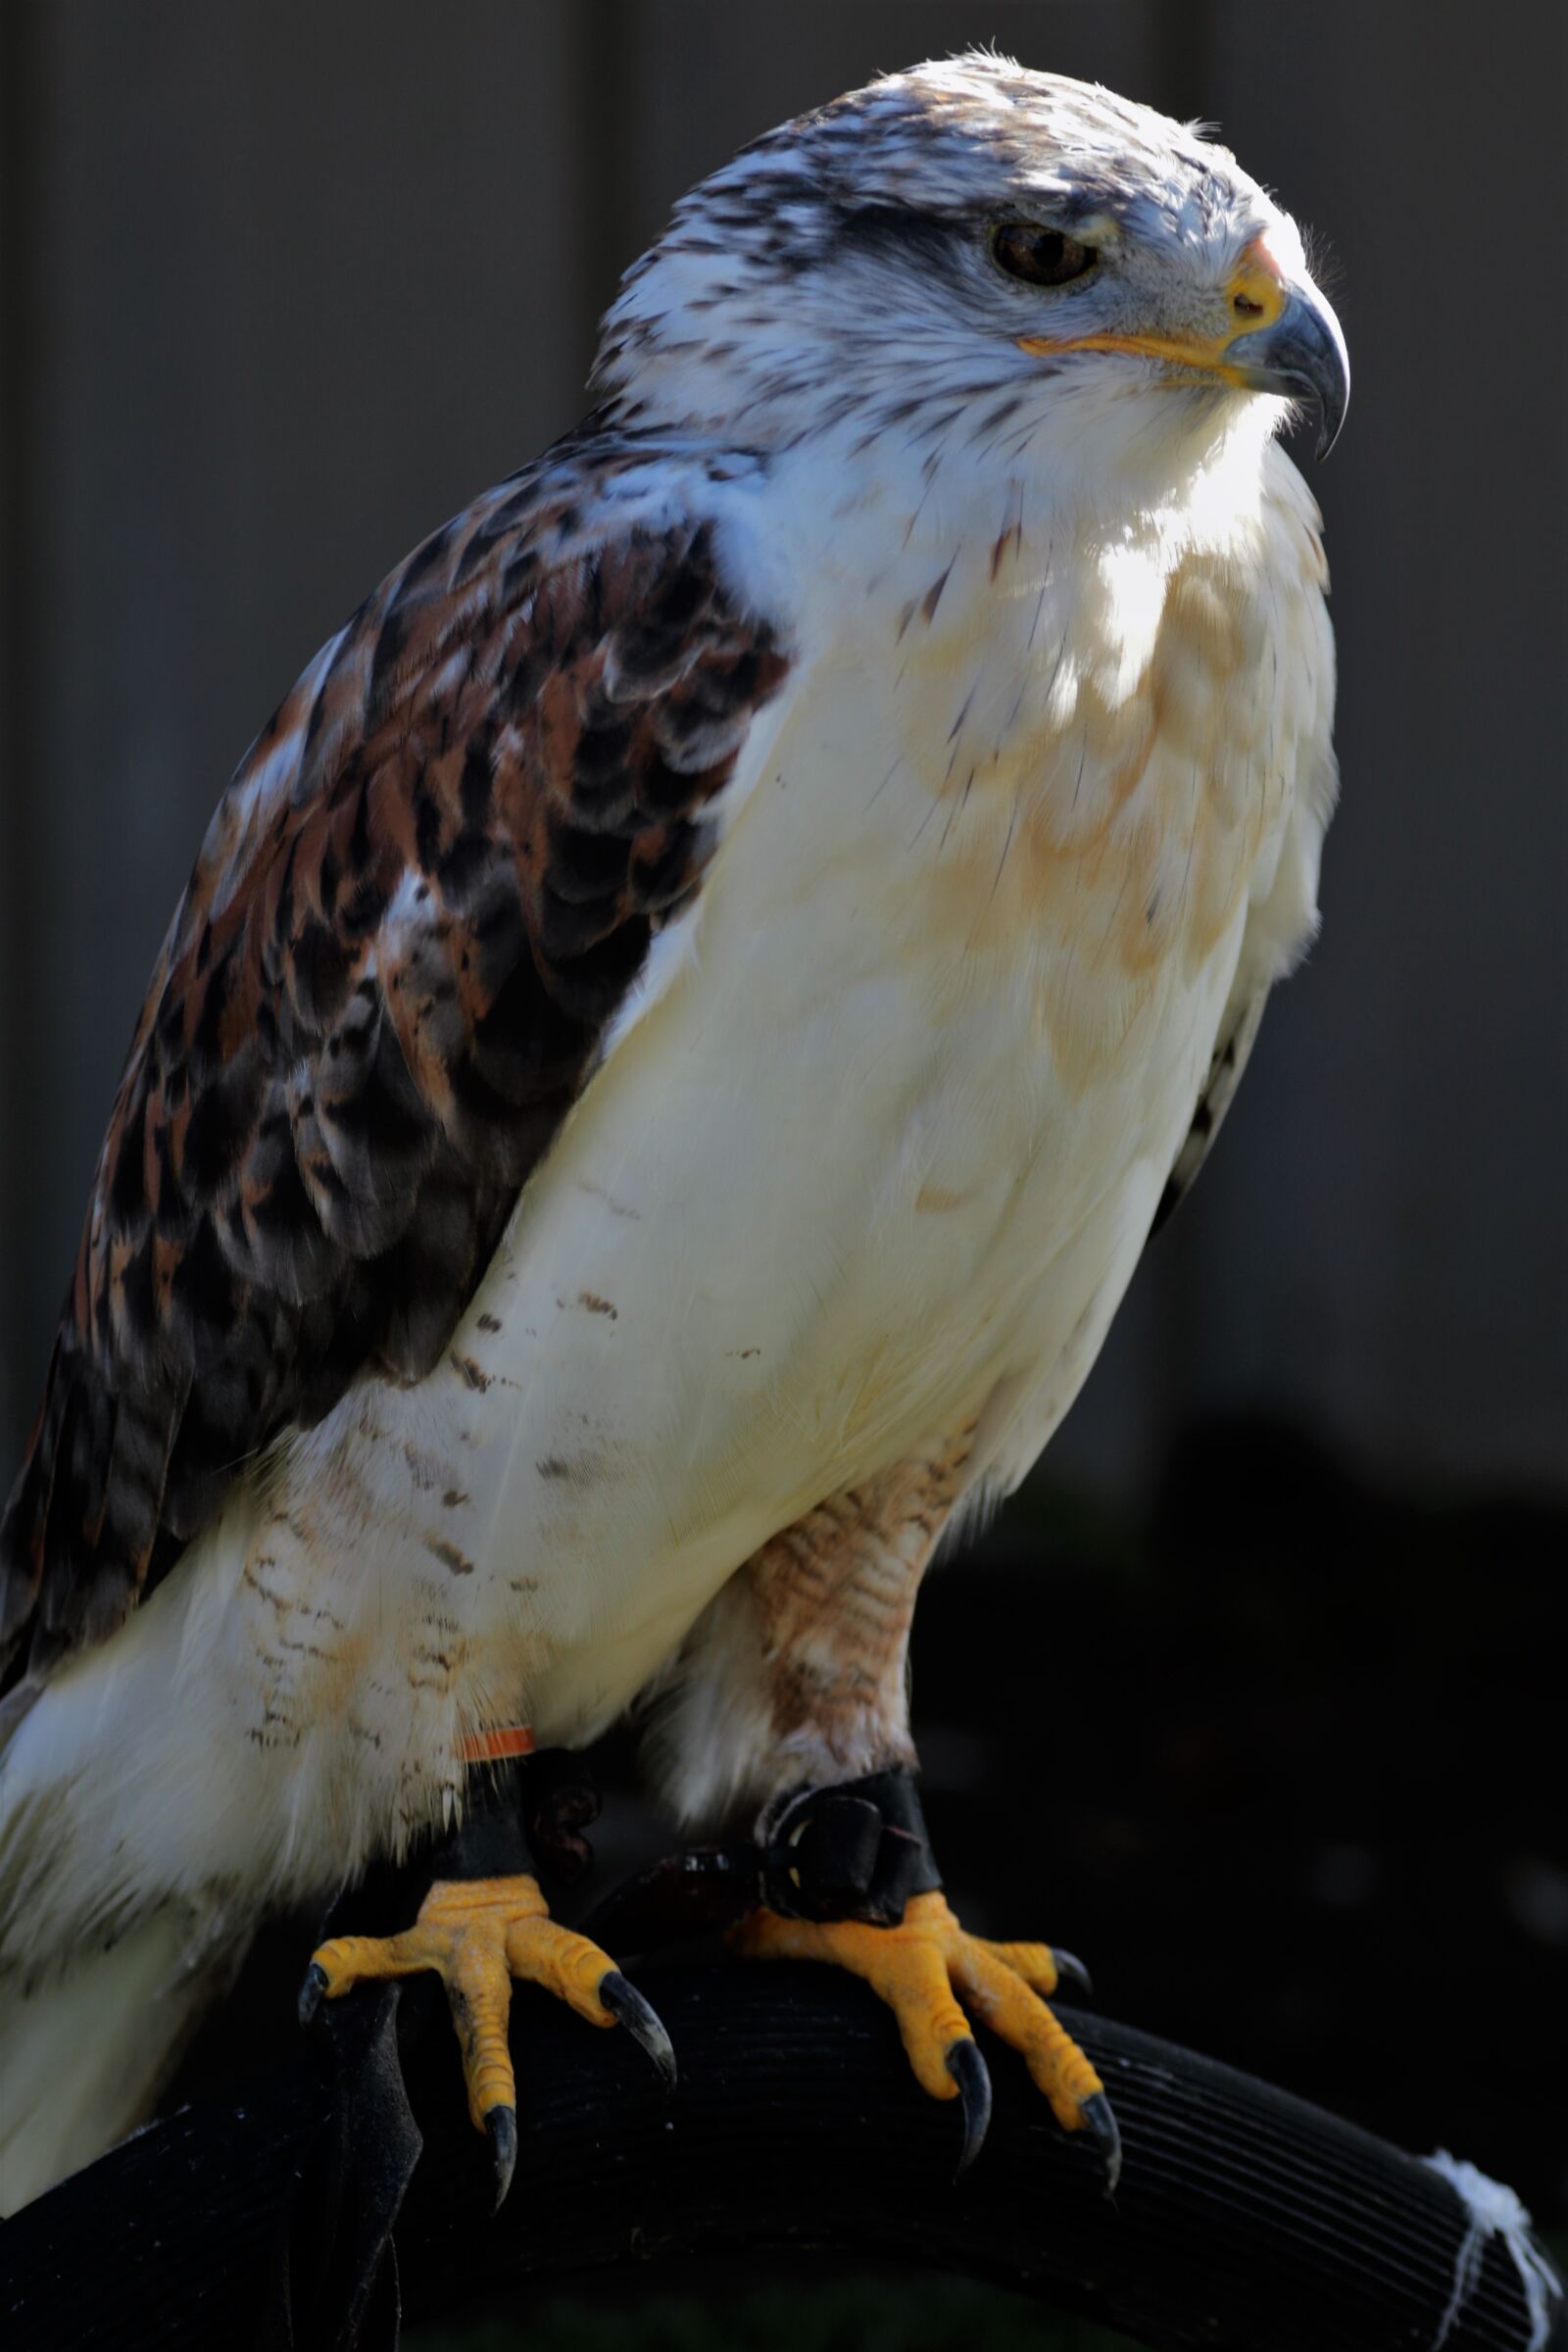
{"points": [[1225, 1071], [428, 887]]}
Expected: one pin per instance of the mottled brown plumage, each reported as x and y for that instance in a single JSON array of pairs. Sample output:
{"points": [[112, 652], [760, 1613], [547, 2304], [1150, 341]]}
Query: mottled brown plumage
{"points": [[430, 884]]}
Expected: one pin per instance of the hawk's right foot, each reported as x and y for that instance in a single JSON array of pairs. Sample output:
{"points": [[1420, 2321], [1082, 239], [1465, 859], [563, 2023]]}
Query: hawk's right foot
{"points": [[479, 1934]]}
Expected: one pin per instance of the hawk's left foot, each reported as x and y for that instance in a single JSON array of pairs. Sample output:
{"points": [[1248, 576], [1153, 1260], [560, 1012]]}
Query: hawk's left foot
{"points": [[479, 1934], [921, 1969]]}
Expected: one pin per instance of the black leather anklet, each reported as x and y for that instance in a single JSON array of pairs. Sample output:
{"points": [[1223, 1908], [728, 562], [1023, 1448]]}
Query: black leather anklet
{"points": [[858, 1849], [525, 1814]]}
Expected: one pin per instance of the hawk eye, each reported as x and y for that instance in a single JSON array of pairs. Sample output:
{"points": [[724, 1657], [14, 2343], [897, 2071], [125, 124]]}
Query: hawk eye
{"points": [[1041, 257]]}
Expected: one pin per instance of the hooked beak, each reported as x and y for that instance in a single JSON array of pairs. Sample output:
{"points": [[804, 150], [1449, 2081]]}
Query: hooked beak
{"points": [[1302, 355], [1282, 338]]}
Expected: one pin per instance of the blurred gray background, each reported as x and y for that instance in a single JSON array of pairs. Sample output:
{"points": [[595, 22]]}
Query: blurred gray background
{"points": [[282, 285]]}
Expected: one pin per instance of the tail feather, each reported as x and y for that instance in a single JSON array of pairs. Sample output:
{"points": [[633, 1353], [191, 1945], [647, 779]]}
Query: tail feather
{"points": [[84, 2054]]}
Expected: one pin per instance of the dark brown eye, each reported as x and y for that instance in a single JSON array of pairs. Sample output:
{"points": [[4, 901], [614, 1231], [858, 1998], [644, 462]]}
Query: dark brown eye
{"points": [[1041, 257]]}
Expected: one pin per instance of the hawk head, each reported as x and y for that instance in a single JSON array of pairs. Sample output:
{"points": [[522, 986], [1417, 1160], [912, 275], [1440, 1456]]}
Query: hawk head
{"points": [[969, 247]]}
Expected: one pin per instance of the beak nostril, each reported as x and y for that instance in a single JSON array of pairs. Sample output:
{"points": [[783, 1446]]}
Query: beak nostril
{"points": [[1245, 307]]}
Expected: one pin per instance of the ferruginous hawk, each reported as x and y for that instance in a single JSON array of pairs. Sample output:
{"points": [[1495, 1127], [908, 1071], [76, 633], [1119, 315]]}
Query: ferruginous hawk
{"points": [[671, 1050]]}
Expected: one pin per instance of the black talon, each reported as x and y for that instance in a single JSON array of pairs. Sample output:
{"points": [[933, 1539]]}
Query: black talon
{"points": [[967, 2068], [310, 1992], [500, 2130], [641, 2020], [1100, 2124], [1070, 1970]]}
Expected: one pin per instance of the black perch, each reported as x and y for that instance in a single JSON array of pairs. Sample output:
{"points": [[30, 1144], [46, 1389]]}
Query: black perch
{"points": [[1245, 2220]]}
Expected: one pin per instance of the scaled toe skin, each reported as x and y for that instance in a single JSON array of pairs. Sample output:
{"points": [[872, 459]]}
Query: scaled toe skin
{"points": [[924, 1969], [478, 1936]]}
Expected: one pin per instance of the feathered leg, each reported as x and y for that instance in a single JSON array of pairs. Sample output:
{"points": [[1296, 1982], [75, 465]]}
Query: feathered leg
{"points": [[794, 1698]]}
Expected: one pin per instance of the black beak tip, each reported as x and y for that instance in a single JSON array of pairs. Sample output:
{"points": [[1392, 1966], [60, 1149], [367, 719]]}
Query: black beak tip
{"points": [[1329, 422], [1324, 385], [1327, 383], [1302, 355]]}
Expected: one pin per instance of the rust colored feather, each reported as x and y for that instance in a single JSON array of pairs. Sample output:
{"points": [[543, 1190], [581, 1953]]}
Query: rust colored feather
{"points": [[429, 885]]}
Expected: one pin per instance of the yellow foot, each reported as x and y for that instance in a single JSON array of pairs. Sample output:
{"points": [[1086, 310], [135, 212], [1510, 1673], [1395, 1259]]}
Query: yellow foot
{"points": [[920, 1968], [479, 1934]]}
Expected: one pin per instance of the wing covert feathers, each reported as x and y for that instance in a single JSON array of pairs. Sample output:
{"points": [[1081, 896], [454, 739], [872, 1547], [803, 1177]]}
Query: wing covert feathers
{"points": [[425, 892]]}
